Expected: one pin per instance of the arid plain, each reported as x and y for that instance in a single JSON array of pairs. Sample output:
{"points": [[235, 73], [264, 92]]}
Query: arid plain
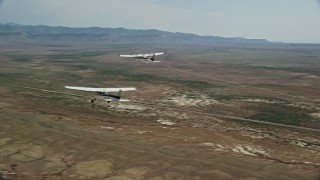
{"points": [[204, 112]]}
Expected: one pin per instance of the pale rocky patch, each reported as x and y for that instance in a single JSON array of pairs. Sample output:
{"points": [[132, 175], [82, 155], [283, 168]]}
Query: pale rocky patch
{"points": [[207, 144], [142, 132], [91, 169], [129, 107], [191, 100], [247, 150], [107, 127], [165, 122], [316, 115], [262, 101], [30, 154], [240, 149], [137, 172], [182, 116]]}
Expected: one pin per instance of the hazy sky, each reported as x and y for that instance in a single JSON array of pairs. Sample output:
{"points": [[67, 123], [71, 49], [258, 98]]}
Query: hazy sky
{"points": [[275, 20]]}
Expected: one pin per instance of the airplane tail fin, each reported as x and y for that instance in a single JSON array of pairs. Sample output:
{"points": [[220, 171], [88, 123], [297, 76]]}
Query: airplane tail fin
{"points": [[153, 57], [119, 93]]}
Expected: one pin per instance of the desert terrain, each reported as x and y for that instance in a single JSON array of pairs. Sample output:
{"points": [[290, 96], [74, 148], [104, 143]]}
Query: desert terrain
{"points": [[204, 112]]}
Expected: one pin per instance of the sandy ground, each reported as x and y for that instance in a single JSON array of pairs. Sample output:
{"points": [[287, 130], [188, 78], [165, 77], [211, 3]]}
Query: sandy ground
{"points": [[58, 145]]}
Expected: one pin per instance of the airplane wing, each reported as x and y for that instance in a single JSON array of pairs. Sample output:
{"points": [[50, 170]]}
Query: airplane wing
{"points": [[142, 55], [157, 54], [100, 89], [132, 56]]}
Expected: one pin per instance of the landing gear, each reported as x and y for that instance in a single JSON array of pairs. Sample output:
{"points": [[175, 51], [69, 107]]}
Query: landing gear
{"points": [[93, 100]]}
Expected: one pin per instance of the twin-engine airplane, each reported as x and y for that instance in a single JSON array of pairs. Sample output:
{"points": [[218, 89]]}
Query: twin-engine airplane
{"points": [[104, 92], [149, 58]]}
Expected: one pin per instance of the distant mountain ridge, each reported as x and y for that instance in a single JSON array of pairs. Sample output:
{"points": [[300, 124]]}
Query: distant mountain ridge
{"points": [[25, 33]]}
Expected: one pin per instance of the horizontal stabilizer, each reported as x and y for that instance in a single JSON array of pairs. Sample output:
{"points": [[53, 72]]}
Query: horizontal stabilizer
{"points": [[116, 100]]}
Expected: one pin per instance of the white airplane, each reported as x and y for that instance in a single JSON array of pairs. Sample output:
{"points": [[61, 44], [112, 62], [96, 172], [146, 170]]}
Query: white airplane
{"points": [[150, 57], [104, 92]]}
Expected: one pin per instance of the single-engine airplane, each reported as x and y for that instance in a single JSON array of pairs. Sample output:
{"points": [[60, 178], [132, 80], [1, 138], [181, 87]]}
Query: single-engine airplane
{"points": [[105, 93], [149, 57]]}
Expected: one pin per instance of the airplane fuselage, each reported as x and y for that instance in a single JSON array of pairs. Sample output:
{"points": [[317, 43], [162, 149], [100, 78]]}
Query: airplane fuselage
{"points": [[150, 57]]}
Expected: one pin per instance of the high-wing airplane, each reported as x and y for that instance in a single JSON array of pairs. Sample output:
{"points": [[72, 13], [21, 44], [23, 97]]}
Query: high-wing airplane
{"points": [[150, 57], [105, 93]]}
